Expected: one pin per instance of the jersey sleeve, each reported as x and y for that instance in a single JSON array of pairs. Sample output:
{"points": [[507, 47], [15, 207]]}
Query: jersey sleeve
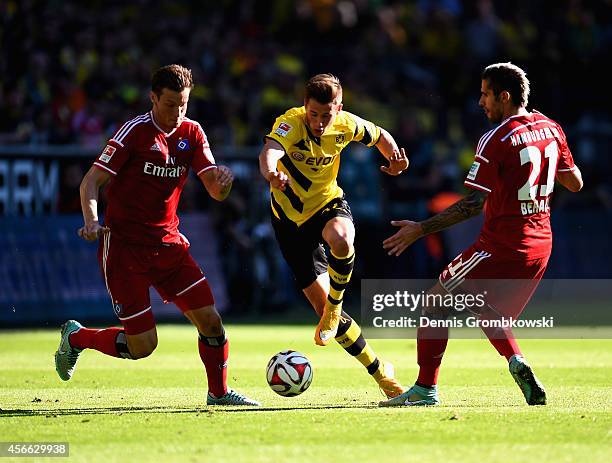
{"points": [[483, 174], [285, 132], [117, 150], [566, 160], [203, 159], [365, 131]]}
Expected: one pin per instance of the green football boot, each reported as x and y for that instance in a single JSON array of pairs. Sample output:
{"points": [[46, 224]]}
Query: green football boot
{"points": [[231, 398], [66, 356], [416, 396], [530, 385]]}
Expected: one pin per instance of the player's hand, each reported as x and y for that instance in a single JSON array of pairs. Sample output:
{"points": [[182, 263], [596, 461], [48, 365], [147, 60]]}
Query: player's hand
{"points": [[224, 177], [92, 231], [408, 233], [279, 180], [398, 163]]}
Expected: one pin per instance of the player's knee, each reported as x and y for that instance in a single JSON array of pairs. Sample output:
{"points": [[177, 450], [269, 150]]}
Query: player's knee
{"points": [[142, 347], [433, 307], [213, 324], [142, 351], [207, 320], [341, 243]]}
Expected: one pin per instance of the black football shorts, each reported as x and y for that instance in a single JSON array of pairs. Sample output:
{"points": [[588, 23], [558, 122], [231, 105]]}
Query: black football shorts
{"points": [[303, 246]]}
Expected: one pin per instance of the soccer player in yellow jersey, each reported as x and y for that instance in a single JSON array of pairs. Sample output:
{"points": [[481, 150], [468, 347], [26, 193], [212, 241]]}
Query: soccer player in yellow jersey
{"points": [[300, 160]]}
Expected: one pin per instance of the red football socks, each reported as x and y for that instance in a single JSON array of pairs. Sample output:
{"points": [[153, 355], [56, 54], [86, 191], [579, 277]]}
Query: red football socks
{"points": [[214, 358], [503, 341], [101, 340], [431, 344]]}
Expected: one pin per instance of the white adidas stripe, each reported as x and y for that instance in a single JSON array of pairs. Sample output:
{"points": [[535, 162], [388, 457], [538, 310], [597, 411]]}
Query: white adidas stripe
{"points": [[128, 126], [463, 264], [125, 127], [455, 283], [459, 277], [490, 134], [481, 139]]}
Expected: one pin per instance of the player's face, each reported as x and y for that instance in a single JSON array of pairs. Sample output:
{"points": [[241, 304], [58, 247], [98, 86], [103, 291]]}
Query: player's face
{"points": [[320, 116], [492, 105], [170, 107]]}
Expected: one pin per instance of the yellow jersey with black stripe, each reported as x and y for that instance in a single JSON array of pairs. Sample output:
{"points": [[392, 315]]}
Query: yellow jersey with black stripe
{"points": [[311, 162]]}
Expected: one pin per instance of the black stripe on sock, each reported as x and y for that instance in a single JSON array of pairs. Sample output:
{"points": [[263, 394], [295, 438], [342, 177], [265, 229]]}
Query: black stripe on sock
{"points": [[213, 341], [334, 301], [337, 286], [345, 323], [357, 347], [341, 266], [373, 367]]}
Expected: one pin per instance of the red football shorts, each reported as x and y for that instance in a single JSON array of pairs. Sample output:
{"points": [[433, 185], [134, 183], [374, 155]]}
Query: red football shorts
{"points": [[506, 285], [129, 270]]}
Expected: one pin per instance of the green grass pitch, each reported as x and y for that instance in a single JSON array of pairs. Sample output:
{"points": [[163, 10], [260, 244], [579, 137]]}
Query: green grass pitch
{"points": [[154, 409]]}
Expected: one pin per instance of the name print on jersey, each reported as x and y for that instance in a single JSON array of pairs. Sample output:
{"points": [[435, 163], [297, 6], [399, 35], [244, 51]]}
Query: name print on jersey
{"points": [[531, 136]]}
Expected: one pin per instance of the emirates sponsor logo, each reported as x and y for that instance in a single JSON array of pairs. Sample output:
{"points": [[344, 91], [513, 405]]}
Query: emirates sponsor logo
{"points": [[165, 172]]}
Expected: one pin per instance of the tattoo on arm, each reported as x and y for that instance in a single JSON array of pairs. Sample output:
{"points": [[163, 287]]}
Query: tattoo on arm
{"points": [[462, 210]]}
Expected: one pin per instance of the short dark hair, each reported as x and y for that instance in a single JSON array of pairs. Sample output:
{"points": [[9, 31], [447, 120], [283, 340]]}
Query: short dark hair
{"points": [[324, 88], [508, 77], [173, 77]]}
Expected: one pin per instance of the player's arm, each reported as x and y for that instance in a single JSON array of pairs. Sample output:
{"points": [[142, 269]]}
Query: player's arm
{"points": [[398, 162], [217, 181], [409, 231], [268, 160], [94, 179], [571, 179]]}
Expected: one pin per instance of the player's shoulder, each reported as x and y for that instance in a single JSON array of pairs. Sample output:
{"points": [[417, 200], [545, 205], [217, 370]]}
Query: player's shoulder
{"points": [[192, 127], [540, 118], [290, 124], [292, 116], [527, 122], [347, 121], [536, 115], [132, 127], [498, 134], [486, 141]]}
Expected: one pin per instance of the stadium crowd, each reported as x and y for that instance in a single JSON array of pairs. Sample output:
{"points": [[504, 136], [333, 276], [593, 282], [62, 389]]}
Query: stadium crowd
{"points": [[72, 71]]}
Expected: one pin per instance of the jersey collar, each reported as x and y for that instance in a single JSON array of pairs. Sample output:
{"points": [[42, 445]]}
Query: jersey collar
{"points": [[166, 134], [527, 114], [317, 140]]}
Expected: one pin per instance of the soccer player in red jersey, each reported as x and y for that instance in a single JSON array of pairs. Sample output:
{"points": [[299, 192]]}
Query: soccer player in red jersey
{"points": [[512, 178], [145, 166]]}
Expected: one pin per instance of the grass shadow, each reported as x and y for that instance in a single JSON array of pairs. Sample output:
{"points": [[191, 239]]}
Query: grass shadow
{"points": [[196, 410]]}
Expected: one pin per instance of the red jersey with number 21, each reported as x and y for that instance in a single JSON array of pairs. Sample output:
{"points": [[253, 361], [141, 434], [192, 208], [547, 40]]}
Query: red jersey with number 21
{"points": [[149, 169], [516, 164]]}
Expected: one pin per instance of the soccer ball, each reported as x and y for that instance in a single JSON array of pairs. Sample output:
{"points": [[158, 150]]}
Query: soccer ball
{"points": [[289, 373]]}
